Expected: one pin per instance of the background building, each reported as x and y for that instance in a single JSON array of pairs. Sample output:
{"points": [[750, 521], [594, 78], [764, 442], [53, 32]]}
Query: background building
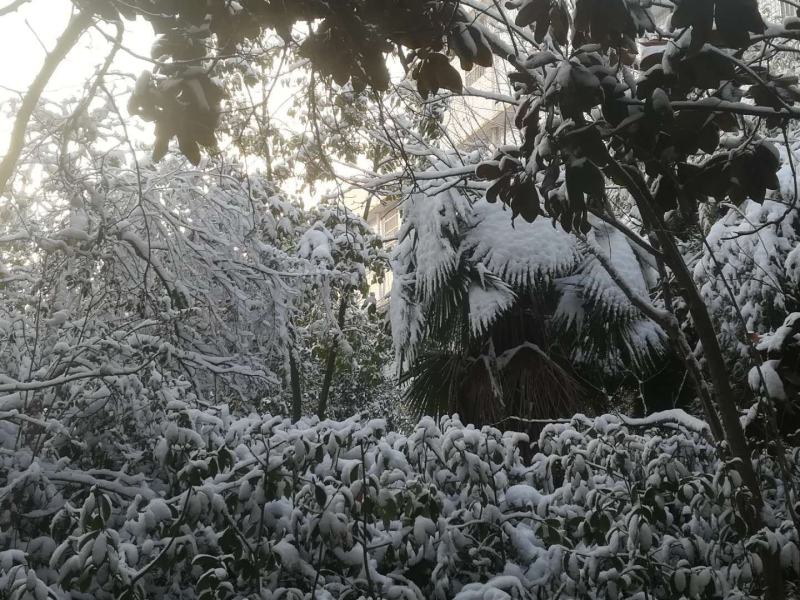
{"points": [[477, 119], [776, 9]]}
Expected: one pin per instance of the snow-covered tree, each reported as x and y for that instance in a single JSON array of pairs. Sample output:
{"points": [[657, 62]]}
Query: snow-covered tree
{"points": [[127, 279], [498, 318], [153, 312]]}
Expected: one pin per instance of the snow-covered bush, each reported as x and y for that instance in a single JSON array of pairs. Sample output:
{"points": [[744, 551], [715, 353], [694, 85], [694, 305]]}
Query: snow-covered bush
{"points": [[748, 267], [256, 507]]}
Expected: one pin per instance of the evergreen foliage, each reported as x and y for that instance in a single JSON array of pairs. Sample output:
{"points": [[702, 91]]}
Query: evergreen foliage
{"points": [[217, 506]]}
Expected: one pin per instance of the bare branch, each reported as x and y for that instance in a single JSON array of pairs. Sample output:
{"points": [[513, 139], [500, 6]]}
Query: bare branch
{"points": [[14, 6], [717, 105], [75, 28]]}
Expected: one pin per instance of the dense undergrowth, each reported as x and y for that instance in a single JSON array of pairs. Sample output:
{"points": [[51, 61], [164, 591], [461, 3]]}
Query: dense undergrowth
{"points": [[218, 506]]}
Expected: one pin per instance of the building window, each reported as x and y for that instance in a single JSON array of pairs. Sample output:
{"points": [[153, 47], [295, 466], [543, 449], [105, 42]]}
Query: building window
{"points": [[497, 135], [474, 75], [391, 224]]}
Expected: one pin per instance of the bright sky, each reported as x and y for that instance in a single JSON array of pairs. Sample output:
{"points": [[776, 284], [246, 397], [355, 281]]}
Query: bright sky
{"points": [[27, 34], [41, 22]]}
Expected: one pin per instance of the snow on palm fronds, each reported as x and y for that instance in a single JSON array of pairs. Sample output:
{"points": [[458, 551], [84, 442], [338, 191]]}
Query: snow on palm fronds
{"points": [[487, 298], [596, 311], [522, 254], [462, 256], [596, 283], [434, 223], [424, 262]]}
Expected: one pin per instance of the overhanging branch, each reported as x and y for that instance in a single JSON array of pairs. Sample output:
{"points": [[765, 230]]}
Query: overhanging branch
{"points": [[12, 7], [75, 28]]}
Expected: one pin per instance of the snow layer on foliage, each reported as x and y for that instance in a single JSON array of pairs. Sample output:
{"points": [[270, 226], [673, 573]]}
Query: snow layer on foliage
{"points": [[315, 244], [269, 509], [11, 402], [595, 281], [520, 253], [486, 302], [77, 230], [775, 342], [793, 265], [753, 252], [749, 260], [764, 379], [451, 246], [674, 416]]}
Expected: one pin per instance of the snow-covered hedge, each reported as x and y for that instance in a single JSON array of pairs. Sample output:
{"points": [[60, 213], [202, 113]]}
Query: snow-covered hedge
{"points": [[258, 507]]}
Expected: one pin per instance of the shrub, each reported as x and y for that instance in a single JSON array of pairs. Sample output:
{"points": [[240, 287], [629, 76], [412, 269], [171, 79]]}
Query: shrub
{"points": [[258, 507]]}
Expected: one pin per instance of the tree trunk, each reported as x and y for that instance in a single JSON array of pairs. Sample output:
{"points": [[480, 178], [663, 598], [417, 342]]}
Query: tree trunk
{"points": [[330, 364], [717, 369], [297, 394], [726, 401]]}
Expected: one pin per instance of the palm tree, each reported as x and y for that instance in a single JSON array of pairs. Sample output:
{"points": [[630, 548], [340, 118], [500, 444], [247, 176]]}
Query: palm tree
{"points": [[500, 320]]}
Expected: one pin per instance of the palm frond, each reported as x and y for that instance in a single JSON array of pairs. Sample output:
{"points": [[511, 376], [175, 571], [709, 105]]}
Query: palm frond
{"points": [[430, 383]]}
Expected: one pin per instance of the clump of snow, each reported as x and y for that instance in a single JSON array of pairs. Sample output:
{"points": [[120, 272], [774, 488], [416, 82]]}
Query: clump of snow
{"points": [[523, 253], [315, 244], [764, 378]]}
